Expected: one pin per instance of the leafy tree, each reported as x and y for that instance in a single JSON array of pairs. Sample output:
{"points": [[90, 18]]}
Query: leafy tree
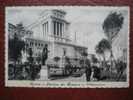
{"points": [[103, 46], [15, 47], [111, 26], [84, 53], [38, 59], [30, 58], [16, 44], [94, 59], [56, 59]]}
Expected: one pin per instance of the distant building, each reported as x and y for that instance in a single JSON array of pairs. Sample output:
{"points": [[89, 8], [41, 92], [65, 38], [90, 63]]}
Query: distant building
{"points": [[12, 30], [21, 33], [120, 47], [19, 30], [123, 55]]}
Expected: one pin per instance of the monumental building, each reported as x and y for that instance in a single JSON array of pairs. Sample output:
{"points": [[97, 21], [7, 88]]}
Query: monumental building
{"points": [[52, 29]]}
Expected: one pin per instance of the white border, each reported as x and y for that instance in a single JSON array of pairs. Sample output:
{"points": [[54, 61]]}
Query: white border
{"points": [[59, 84]]}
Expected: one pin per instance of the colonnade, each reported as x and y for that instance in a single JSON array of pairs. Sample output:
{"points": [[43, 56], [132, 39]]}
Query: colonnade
{"points": [[58, 28]]}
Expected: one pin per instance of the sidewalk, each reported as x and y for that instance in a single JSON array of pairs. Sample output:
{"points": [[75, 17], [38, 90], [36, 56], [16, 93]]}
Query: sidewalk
{"points": [[74, 79], [44, 77]]}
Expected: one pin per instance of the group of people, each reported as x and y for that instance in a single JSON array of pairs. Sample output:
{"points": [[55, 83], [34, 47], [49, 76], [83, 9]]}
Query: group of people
{"points": [[30, 70], [92, 70]]}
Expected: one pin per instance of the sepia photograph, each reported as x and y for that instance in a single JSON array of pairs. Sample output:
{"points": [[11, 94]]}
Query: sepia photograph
{"points": [[67, 46]]}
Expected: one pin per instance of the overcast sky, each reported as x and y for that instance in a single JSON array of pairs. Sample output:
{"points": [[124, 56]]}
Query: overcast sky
{"points": [[86, 22]]}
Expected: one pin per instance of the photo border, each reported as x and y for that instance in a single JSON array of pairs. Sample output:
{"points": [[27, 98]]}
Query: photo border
{"points": [[59, 84]]}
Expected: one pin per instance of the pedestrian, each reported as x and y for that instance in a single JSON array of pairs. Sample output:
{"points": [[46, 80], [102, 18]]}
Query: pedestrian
{"points": [[96, 71], [121, 66], [87, 69]]}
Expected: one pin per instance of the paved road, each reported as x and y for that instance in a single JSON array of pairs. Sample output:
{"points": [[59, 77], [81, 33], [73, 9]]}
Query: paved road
{"points": [[74, 79], [44, 77]]}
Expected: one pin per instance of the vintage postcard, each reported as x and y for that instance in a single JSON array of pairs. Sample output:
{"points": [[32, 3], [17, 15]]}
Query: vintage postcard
{"points": [[67, 46]]}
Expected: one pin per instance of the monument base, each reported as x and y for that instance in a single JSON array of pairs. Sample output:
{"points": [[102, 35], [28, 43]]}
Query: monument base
{"points": [[44, 73]]}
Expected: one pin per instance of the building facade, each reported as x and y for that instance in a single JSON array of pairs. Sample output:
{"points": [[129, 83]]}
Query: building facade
{"points": [[52, 29]]}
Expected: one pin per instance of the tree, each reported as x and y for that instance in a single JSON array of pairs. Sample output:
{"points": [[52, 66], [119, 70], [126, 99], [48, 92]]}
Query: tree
{"points": [[16, 44], [30, 58], [102, 46], [38, 59], [84, 54], [111, 26], [15, 47], [56, 59], [94, 59]]}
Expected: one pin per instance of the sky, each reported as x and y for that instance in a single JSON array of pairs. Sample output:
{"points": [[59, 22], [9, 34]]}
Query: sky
{"points": [[85, 21]]}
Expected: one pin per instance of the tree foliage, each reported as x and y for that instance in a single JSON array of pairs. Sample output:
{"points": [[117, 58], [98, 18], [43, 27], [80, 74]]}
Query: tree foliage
{"points": [[15, 47], [16, 44], [102, 46], [94, 59], [56, 59], [30, 58], [84, 53], [112, 24], [38, 59]]}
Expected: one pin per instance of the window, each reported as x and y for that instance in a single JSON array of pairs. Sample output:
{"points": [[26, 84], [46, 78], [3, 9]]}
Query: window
{"points": [[31, 43], [35, 44], [42, 45]]}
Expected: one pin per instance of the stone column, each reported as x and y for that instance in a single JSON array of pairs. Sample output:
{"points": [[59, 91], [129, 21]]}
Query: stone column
{"points": [[62, 29], [46, 28], [50, 27], [55, 28], [42, 30], [59, 29]]}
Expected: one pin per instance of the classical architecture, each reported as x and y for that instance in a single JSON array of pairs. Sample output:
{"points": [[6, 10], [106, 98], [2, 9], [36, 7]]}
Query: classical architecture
{"points": [[52, 29]]}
